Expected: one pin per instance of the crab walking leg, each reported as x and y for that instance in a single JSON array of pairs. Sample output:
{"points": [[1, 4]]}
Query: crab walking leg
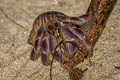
{"points": [[69, 36], [45, 49], [81, 36], [72, 48], [36, 49], [76, 20], [53, 43], [45, 59], [85, 18], [59, 56]]}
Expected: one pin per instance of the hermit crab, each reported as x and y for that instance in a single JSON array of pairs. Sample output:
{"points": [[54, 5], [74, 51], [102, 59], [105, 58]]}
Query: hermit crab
{"points": [[59, 35]]}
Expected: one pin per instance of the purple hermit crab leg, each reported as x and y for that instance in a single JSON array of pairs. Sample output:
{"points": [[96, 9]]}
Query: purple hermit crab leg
{"points": [[54, 52], [81, 36], [71, 48], [45, 49], [59, 56], [81, 19], [85, 18], [73, 20], [69, 36], [45, 59], [53, 44], [77, 47], [77, 20], [36, 49], [45, 43]]}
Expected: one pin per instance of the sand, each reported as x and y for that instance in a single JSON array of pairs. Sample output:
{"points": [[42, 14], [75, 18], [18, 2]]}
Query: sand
{"points": [[15, 63]]}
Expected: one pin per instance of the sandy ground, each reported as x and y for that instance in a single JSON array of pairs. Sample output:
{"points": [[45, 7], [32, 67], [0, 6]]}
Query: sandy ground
{"points": [[15, 63]]}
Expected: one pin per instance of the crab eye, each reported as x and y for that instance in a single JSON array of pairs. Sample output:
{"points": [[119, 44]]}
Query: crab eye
{"points": [[56, 24]]}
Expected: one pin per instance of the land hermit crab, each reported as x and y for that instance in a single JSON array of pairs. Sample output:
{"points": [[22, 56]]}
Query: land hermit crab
{"points": [[59, 35]]}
